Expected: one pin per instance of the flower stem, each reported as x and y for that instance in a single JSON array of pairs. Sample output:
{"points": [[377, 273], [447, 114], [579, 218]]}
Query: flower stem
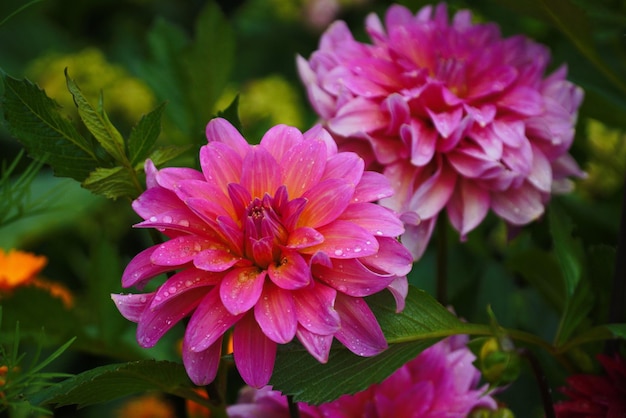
{"points": [[294, 411], [542, 381], [617, 308], [442, 261]]}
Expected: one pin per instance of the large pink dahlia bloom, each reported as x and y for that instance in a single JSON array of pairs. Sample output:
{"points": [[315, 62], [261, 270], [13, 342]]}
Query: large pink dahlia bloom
{"points": [[453, 114], [279, 240], [439, 382]]}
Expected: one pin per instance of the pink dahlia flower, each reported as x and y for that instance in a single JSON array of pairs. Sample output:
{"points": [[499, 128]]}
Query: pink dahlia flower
{"points": [[456, 116], [279, 240], [596, 396], [439, 382]]}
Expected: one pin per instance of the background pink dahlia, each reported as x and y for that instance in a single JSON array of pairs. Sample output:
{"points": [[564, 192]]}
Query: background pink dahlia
{"points": [[440, 382], [279, 240], [456, 116]]}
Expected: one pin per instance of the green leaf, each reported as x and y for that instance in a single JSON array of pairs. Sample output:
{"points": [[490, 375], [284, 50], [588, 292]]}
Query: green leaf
{"points": [[231, 113], [598, 333], [422, 322], [33, 118], [97, 122], [209, 61], [576, 310], [144, 135], [112, 183], [106, 383], [568, 250], [164, 154]]}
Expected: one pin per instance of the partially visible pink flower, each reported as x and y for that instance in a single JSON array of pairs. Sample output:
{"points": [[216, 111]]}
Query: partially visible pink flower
{"points": [[456, 116], [278, 240], [439, 382], [596, 396]]}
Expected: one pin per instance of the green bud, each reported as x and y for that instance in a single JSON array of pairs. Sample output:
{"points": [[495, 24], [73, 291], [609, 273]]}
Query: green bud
{"points": [[499, 366]]}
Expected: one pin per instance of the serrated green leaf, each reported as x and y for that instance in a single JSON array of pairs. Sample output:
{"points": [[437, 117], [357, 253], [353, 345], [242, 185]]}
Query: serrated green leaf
{"points": [[567, 249], [598, 333], [422, 322], [144, 135], [576, 310], [33, 118], [98, 123], [112, 183], [209, 61], [164, 154], [106, 383]]}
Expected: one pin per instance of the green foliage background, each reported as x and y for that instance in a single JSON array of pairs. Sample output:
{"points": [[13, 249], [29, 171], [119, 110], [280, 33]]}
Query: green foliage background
{"points": [[128, 79]]}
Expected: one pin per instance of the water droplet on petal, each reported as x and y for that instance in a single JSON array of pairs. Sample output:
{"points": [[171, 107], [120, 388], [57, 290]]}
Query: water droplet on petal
{"points": [[183, 222], [167, 219], [338, 252], [153, 219]]}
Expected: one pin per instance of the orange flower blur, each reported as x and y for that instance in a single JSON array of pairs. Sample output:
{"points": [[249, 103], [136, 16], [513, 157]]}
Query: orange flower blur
{"points": [[18, 268]]}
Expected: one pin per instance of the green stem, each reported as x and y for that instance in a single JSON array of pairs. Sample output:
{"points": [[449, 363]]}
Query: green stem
{"points": [[542, 381], [294, 411]]}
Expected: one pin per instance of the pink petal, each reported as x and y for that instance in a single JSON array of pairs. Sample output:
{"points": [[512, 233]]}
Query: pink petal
{"points": [[392, 257], [293, 272], [304, 237], [180, 250], [217, 260], [254, 353], [221, 130], [344, 239], [141, 269], [132, 306], [422, 142], [446, 122], [156, 200], [385, 150], [279, 139], [352, 278], [155, 322], [317, 345], [326, 201], [482, 115], [468, 206], [399, 112], [382, 72], [434, 192], [417, 237], [541, 171], [150, 169], [511, 133], [372, 187], [360, 331], [399, 288], [522, 100], [375, 219], [171, 177], [261, 173], [208, 323], [221, 165], [276, 314], [302, 166], [318, 133], [357, 117], [518, 206], [202, 366], [315, 308], [241, 288], [498, 79], [183, 220], [183, 281], [344, 165]]}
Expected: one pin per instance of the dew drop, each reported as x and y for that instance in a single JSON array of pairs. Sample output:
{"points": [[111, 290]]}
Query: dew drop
{"points": [[188, 283], [167, 219], [166, 294], [379, 232], [338, 252], [172, 289], [143, 299], [183, 222], [153, 219], [342, 288], [357, 249]]}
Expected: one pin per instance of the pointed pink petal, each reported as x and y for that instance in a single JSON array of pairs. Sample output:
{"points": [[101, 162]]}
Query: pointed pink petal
{"points": [[482, 115], [518, 206], [399, 112], [132, 306], [156, 200], [468, 206], [490, 144], [422, 141], [279, 139], [183, 220], [375, 219], [180, 250], [302, 166], [344, 239], [399, 288], [498, 79], [241, 288], [433, 194], [317, 345], [541, 171], [360, 331], [254, 353], [260, 173], [171, 177], [209, 322], [154, 323], [522, 100], [304, 237], [293, 272], [326, 201], [150, 169], [372, 187], [446, 122], [511, 133], [202, 366], [141, 269], [386, 151], [276, 314], [344, 165], [221, 165], [357, 117], [221, 130], [417, 237], [382, 72], [472, 162], [352, 278], [318, 133], [183, 281], [392, 257], [315, 309], [217, 260]]}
